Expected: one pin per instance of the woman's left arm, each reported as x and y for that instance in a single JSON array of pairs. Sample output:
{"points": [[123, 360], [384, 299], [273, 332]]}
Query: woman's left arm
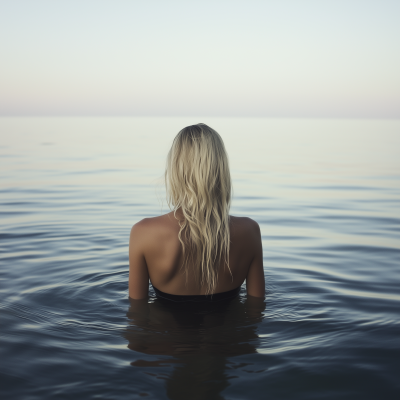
{"points": [[138, 273]]}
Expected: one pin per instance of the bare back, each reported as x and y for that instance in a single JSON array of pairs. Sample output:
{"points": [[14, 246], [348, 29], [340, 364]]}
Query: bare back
{"points": [[155, 253]]}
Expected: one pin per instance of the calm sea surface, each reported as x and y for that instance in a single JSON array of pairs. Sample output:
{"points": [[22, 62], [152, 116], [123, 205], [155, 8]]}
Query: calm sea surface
{"points": [[326, 194]]}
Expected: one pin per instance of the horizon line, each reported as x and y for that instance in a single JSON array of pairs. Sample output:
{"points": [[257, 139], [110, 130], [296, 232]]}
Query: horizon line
{"points": [[190, 116]]}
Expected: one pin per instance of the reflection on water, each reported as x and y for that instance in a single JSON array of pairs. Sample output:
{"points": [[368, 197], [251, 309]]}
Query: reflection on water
{"points": [[196, 340], [326, 194]]}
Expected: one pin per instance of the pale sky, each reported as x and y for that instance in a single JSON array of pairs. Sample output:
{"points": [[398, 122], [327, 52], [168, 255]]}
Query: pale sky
{"points": [[279, 58]]}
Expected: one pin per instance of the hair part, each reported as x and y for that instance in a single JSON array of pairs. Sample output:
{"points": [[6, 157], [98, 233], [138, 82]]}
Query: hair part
{"points": [[198, 183]]}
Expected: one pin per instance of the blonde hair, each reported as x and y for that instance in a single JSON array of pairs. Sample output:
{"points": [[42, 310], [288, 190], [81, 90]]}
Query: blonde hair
{"points": [[198, 182]]}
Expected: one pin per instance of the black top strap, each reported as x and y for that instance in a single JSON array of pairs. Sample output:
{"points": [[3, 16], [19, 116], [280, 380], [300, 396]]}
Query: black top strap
{"points": [[202, 298]]}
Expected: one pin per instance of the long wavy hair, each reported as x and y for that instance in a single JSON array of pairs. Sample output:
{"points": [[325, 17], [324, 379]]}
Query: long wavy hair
{"points": [[198, 183]]}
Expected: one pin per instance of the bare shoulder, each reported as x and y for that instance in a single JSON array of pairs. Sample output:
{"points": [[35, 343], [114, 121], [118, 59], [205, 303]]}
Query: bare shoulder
{"points": [[154, 237], [159, 225], [244, 225]]}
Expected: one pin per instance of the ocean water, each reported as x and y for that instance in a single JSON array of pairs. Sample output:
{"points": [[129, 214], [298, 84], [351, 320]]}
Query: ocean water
{"points": [[326, 194]]}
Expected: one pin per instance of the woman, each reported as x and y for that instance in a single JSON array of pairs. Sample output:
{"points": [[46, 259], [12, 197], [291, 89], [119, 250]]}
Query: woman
{"points": [[198, 251]]}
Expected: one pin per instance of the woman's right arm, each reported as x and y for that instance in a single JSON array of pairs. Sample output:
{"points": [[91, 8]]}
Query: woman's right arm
{"points": [[255, 281]]}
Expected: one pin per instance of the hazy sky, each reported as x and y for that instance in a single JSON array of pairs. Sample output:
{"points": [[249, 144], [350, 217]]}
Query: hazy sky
{"points": [[279, 58]]}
